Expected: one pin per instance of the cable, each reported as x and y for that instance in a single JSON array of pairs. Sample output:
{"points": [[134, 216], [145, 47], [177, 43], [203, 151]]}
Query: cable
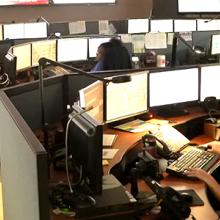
{"points": [[66, 157]]}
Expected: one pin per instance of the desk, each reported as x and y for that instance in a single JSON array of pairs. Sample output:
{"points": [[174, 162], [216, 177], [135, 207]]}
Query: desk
{"points": [[130, 141]]}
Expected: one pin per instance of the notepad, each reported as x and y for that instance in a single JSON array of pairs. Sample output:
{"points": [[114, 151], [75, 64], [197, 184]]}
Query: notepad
{"points": [[108, 153], [109, 139]]}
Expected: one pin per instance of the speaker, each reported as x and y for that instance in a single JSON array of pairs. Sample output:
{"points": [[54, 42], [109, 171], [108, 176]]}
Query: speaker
{"points": [[210, 103]]}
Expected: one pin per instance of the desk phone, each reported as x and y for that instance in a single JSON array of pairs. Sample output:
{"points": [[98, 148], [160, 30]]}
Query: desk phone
{"points": [[168, 140]]}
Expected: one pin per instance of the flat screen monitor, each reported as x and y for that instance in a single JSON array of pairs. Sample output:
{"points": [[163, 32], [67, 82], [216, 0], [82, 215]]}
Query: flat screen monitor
{"points": [[94, 43], [72, 49], [82, 1], [138, 26], [215, 44], [23, 167], [45, 48], [198, 6], [85, 145], [13, 31], [1, 32], [23, 54], [161, 25], [35, 30], [9, 67], [173, 86], [210, 78], [25, 2], [4, 48], [128, 99]]}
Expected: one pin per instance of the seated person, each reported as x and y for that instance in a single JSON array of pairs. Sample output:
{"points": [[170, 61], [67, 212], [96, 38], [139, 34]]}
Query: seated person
{"points": [[112, 55], [207, 178]]}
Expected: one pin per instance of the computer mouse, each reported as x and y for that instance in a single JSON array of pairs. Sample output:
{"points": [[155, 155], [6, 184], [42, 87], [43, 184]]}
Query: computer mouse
{"points": [[187, 197]]}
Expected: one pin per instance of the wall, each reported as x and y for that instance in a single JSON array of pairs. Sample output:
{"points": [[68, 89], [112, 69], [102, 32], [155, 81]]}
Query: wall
{"points": [[122, 10]]}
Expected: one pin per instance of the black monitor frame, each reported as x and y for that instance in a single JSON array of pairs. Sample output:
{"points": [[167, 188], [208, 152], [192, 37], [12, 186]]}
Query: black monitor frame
{"points": [[85, 145], [5, 45], [9, 67]]}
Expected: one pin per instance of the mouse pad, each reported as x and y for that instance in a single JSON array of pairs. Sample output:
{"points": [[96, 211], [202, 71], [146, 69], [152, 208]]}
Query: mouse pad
{"points": [[196, 200]]}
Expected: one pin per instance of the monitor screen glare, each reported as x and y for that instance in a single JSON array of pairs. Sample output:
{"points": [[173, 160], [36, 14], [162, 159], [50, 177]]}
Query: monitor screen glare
{"points": [[127, 99], [72, 49], [210, 78], [173, 87]]}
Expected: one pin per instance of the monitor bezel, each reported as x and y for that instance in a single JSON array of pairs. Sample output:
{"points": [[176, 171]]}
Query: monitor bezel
{"points": [[92, 170], [183, 104]]}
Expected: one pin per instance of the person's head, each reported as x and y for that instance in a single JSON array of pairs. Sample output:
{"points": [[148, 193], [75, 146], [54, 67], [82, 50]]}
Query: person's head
{"points": [[102, 50], [116, 42]]}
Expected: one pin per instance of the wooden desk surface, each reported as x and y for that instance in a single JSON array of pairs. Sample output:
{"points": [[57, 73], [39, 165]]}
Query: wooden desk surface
{"points": [[126, 141]]}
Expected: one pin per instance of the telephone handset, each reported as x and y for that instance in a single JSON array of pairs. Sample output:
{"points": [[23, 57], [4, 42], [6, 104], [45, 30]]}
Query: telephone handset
{"points": [[167, 140]]}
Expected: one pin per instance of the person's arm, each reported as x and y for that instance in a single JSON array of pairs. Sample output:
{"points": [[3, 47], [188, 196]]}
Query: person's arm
{"points": [[213, 185], [215, 148]]}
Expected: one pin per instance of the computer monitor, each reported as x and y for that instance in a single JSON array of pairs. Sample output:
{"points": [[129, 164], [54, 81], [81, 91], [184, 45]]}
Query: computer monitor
{"points": [[210, 78], [26, 2], [215, 44], [23, 54], [35, 30], [94, 43], [172, 87], [24, 173], [128, 99], [9, 67], [198, 6], [85, 145], [82, 1], [4, 48], [44, 48], [13, 31], [72, 49]]}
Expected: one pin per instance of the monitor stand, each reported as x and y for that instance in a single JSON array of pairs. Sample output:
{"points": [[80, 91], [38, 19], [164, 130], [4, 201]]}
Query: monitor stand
{"points": [[114, 201]]}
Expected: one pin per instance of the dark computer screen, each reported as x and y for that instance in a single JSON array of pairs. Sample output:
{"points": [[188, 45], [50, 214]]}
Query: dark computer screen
{"points": [[173, 86], [210, 77], [85, 146], [9, 67], [4, 47]]}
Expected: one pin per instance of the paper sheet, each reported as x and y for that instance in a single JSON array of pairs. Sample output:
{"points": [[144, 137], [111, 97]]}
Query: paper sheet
{"points": [[155, 40]]}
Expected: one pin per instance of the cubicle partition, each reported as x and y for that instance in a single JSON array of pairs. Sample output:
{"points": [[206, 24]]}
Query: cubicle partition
{"points": [[23, 167]]}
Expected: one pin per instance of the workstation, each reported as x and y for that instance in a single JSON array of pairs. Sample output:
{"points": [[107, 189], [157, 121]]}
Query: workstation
{"points": [[36, 113]]}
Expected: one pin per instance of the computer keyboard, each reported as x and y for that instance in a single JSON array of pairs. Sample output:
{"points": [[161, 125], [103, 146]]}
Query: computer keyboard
{"points": [[194, 158]]}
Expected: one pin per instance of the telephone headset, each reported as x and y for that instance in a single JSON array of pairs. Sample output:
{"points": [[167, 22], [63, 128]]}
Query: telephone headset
{"points": [[160, 146]]}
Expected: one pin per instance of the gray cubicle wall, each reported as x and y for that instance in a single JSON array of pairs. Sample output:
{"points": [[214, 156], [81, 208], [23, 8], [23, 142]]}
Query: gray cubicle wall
{"points": [[59, 91], [26, 98], [23, 167]]}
